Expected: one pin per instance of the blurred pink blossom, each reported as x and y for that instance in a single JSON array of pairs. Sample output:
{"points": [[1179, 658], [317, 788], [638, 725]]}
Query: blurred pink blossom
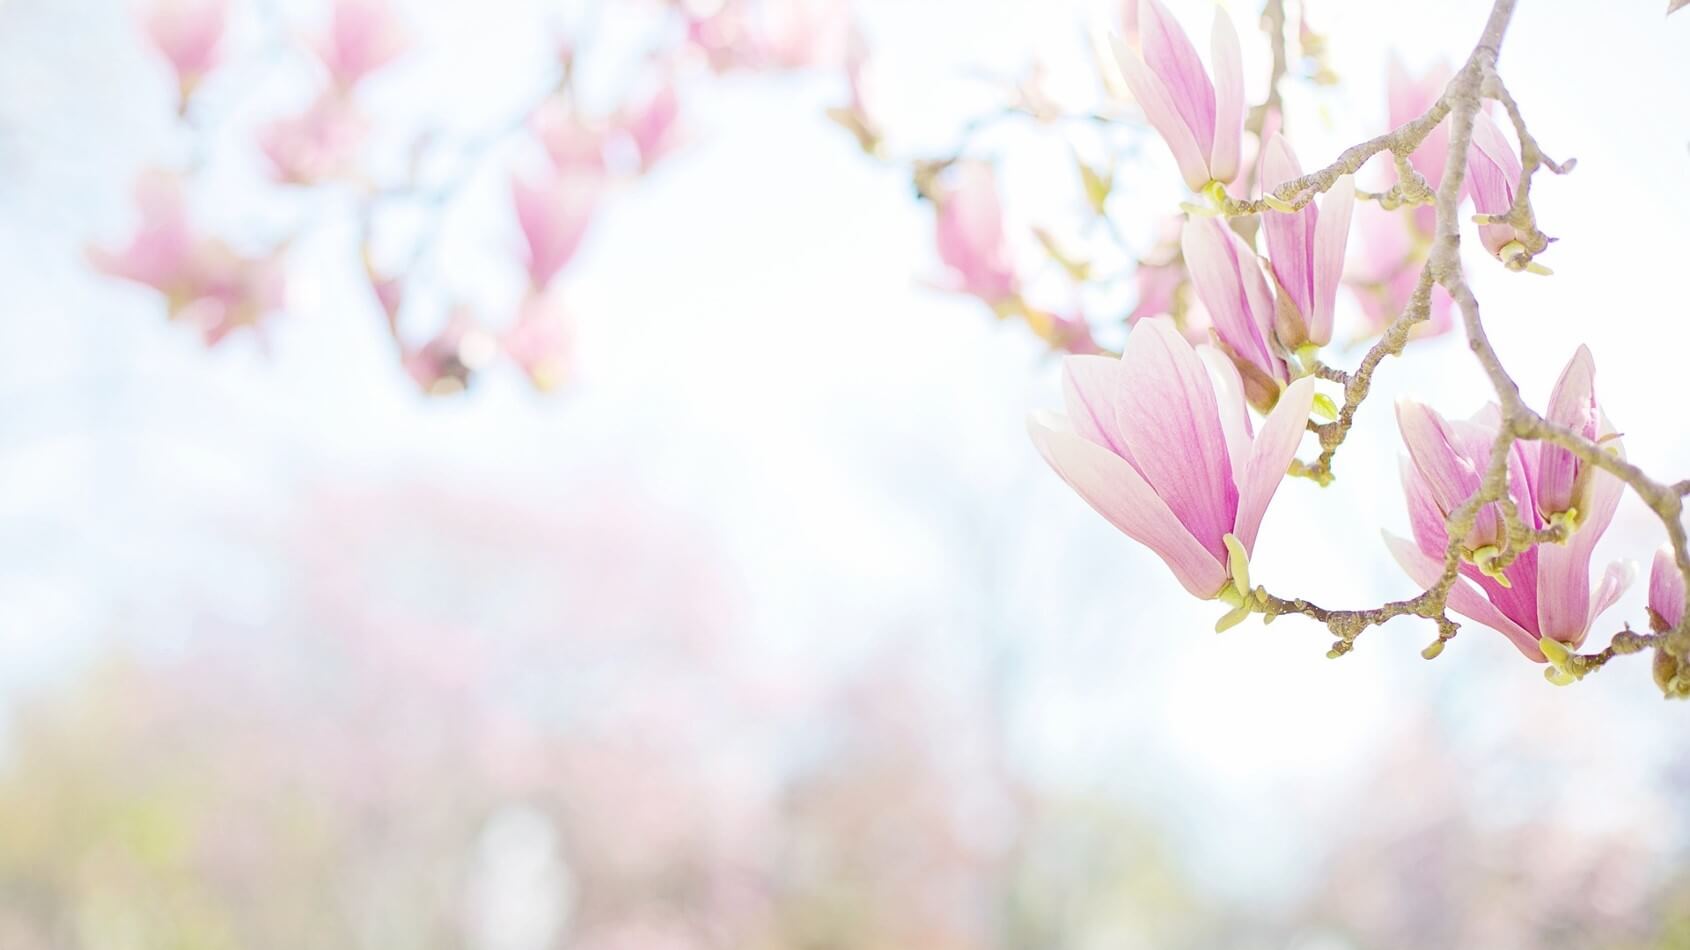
{"points": [[188, 33], [363, 36], [448, 362], [652, 123], [540, 340], [554, 209], [1666, 590], [205, 282], [317, 145], [1384, 274], [568, 138], [971, 235]]}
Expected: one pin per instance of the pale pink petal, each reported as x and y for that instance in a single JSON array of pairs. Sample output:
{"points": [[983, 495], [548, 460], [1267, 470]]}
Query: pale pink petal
{"points": [[1616, 580], [554, 211], [1666, 588], [1118, 493], [1331, 236], [1091, 388], [364, 36], [1493, 171], [1169, 54], [1270, 457], [1228, 64], [1152, 96], [1450, 477], [1463, 599], [1572, 403], [1229, 283], [1427, 522], [1234, 411], [1290, 236], [1172, 431]]}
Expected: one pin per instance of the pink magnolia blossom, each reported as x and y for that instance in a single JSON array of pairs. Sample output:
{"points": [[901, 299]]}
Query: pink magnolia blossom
{"points": [[554, 210], [1230, 285], [363, 36], [1666, 591], [449, 361], [1202, 122], [971, 235], [1545, 592], [1383, 276], [795, 34], [1408, 97], [188, 33], [205, 283], [1305, 250], [1159, 443], [651, 125], [540, 340], [1493, 172], [573, 143], [317, 145]]}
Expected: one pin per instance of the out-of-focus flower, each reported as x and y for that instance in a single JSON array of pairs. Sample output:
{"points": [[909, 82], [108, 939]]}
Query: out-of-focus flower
{"points": [[1493, 171], [796, 34], [1666, 591], [389, 290], [318, 145], [1384, 274], [1545, 592], [205, 282], [1408, 97], [188, 33], [447, 363], [554, 209], [1305, 250], [568, 138], [971, 237], [363, 36], [1160, 444], [651, 125], [857, 115], [540, 340], [1202, 122], [1229, 282]]}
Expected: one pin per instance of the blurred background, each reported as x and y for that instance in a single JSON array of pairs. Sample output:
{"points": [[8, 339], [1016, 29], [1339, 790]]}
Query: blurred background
{"points": [[738, 611]]}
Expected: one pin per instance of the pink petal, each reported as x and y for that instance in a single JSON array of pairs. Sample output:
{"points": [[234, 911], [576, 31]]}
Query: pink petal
{"points": [[1426, 521], [1572, 404], [1169, 54], [1616, 580], [1092, 386], [1331, 236], [1290, 236], [1152, 96], [1666, 587], [1270, 457], [1118, 493], [1228, 64], [1224, 273], [1463, 599], [1234, 411], [1172, 430]]}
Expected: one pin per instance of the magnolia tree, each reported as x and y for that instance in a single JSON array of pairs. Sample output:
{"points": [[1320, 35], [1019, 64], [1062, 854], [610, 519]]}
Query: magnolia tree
{"points": [[1226, 383]]}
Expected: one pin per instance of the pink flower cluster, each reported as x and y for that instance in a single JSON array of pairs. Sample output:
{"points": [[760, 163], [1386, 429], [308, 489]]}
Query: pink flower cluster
{"points": [[1160, 442]]}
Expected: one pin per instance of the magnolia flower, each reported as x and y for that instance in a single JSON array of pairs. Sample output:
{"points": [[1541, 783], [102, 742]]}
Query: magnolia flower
{"points": [[319, 144], [1493, 172], [188, 33], [1409, 97], [1305, 250], [971, 237], [554, 210], [651, 126], [1230, 285], [858, 116], [1159, 443], [1385, 273], [449, 361], [540, 340], [205, 282], [1666, 592], [1544, 594], [363, 36], [1202, 122], [568, 139]]}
